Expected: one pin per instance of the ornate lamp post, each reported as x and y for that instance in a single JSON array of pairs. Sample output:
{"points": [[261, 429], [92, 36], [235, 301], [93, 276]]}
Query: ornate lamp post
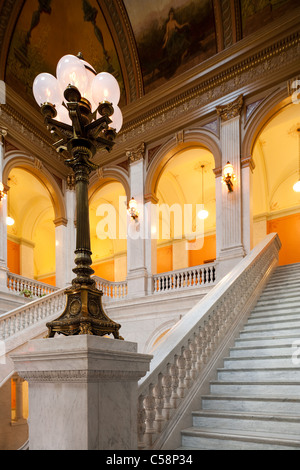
{"points": [[80, 109]]}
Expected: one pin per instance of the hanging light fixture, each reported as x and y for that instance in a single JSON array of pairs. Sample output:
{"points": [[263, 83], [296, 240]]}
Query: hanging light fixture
{"points": [[203, 214], [296, 186]]}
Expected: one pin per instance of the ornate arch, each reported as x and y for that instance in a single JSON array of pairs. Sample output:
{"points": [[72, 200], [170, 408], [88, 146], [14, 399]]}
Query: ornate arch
{"points": [[266, 111], [17, 159], [200, 138], [107, 175]]}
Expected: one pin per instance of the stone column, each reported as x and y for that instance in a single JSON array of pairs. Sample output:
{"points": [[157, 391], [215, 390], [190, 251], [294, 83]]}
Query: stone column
{"points": [[229, 207], [83, 392], [137, 272], [248, 167], [3, 215], [61, 249]]}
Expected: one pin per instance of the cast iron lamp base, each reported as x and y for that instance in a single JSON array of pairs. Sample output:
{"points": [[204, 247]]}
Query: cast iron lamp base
{"points": [[84, 315]]}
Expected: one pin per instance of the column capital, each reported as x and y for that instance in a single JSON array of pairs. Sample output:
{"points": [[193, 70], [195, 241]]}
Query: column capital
{"points": [[151, 198], [60, 221], [218, 172], [248, 162], [3, 134], [231, 110], [137, 154]]}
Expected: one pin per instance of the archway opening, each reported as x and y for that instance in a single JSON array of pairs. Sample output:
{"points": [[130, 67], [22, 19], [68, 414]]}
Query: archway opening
{"points": [[276, 206], [108, 221], [186, 186], [31, 239]]}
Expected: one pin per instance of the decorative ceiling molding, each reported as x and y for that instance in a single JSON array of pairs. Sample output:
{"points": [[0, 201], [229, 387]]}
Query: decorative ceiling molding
{"points": [[276, 57], [118, 21]]}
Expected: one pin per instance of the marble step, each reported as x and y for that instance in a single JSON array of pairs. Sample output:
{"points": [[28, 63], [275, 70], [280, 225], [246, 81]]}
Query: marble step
{"points": [[278, 423], [291, 301], [282, 281], [275, 341], [284, 293], [256, 387], [272, 325], [289, 374], [252, 404], [275, 332], [269, 317], [228, 439], [269, 362], [285, 308], [263, 351]]}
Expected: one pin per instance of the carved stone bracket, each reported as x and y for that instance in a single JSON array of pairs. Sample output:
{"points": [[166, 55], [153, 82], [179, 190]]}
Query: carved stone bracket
{"points": [[231, 110], [134, 155]]}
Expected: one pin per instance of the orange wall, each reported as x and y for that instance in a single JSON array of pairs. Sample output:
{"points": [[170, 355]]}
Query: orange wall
{"points": [[105, 270], [13, 257], [164, 259], [288, 229], [207, 253], [51, 281]]}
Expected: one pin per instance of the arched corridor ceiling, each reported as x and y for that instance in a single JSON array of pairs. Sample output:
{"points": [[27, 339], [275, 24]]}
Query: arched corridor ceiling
{"points": [[276, 157], [143, 43]]}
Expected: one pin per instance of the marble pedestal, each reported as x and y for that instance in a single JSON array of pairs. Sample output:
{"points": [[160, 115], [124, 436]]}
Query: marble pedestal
{"points": [[82, 392]]}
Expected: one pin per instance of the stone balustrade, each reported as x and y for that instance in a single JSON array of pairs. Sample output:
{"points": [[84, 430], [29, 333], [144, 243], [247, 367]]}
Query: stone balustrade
{"points": [[184, 355], [18, 320], [28, 287], [194, 277], [111, 290]]}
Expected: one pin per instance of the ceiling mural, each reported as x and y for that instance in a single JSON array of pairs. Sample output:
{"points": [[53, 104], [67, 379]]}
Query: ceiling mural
{"points": [[47, 30], [143, 43], [258, 13], [171, 36]]}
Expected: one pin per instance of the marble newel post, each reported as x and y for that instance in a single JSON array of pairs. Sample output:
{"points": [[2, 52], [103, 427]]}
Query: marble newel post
{"points": [[3, 215], [83, 392], [230, 247], [139, 270]]}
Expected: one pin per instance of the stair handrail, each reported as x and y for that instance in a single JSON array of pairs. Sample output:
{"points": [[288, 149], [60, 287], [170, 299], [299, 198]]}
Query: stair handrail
{"points": [[17, 320], [181, 358]]}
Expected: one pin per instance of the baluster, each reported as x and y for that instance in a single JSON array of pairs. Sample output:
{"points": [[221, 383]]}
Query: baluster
{"points": [[159, 404], [203, 339], [149, 405], [193, 350], [199, 350], [167, 393], [141, 426], [173, 370], [188, 365], [181, 364]]}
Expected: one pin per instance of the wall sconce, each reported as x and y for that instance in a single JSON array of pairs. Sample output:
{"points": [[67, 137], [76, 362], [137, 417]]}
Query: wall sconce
{"points": [[2, 192], [229, 176], [132, 209]]}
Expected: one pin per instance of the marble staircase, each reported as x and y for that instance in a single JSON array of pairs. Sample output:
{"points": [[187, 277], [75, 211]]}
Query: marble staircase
{"points": [[254, 403]]}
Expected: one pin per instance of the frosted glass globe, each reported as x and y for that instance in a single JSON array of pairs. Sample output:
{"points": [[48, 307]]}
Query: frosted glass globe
{"points": [[91, 74], [106, 88], [296, 187], [117, 119], [46, 89], [203, 214], [71, 71], [63, 115]]}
